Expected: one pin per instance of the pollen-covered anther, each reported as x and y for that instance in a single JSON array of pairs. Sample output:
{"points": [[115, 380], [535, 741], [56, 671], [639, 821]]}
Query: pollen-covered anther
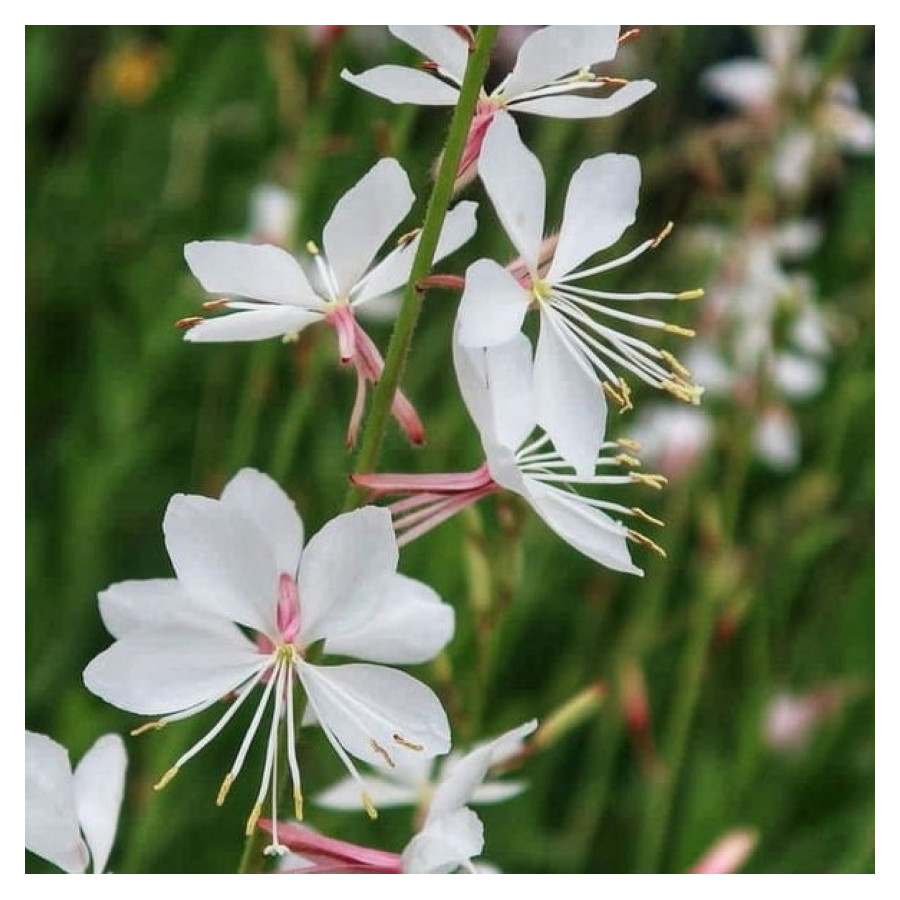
{"points": [[403, 742], [677, 329], [620, 395], [224, 789], [650, 479], [166, 778], [215, 304], [382, 753], [666, 231], [252, 819], [675, 365], [609, 80], [629, 35], [685, 391], [369, 806], [409, 237], [298, 803], [312, 247], [644, 541], [188, 322], [148, 726], [643, 514], [629, 444], [624, 459], [693, 294]]}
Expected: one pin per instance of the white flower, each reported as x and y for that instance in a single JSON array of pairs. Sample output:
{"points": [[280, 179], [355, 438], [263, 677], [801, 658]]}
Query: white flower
{"points": [[452, 834], [241, 566], [269, 294], [578, 353], [70, 818]]}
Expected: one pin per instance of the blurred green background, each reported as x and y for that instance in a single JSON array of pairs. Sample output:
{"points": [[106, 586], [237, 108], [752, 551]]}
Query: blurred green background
{"points": [[139, 139]]}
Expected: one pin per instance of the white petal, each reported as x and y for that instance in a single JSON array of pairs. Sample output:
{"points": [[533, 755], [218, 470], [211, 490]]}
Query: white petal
{"points": [[264, 503], [363, 219], [437, 43], [570, 403], [492, 307], [514, 180], [575, 106], [51, 825], [258, 271], [444, 844], [156, 672], [558, 50], [601, 203], [400, 84], [497, 791], [741, 82], [99, 788], [341, 558], [153, 603], [366, 706], [589, 530], [223, 560], [410, 623], [252, 325], [459, 225], [467, 774], [383, 793]]}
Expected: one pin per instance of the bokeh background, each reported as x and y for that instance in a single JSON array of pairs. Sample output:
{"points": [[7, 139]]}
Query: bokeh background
{"points": [[730, 688]]}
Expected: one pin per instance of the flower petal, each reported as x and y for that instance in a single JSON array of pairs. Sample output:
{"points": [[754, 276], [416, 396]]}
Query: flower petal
{"points": [[744, 83], [514, 180], [459, 225], [252, 325], [264, 503], [589, 530], [576, 106], [444, 844], [363, 219], [336, 566], [99, 788], [51, 825], [400, 84], [410, 623], [492, 307], [258, 271], [558, 50], [569, 400], [601, 203], [155, 672], [383, 793], [367, 707], [222, 560], [437, 43]]}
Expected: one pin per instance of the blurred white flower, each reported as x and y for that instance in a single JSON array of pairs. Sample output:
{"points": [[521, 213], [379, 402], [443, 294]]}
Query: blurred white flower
{"points": [[728, 853], [241, 564], [672, 439], [71, 818]]}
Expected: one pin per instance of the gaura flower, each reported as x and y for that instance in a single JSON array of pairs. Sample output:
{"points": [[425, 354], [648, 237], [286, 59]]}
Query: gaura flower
{"points": [[270, 295], [242, 569], [551, 76], [579, 348], [496, 384], [72, 817], [451, 834]]}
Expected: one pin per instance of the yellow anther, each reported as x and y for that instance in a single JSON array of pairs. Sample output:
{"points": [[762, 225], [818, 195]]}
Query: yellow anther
{"points": [[226, 787], [371, 812], [694, 294], [382, 752], [651, 480], [674, 363], [403, 742], [644, 541], [215, 304], [667, 230], [629, 444], [623, 459], [253, 819], [409, 237], [290, 338], [613, 394], [188, 322], [166, 779], [677, 329], [641, 514], [626, 395], [312, 247], [629, 35], [149, 726], [298, 804], [607, 79]]}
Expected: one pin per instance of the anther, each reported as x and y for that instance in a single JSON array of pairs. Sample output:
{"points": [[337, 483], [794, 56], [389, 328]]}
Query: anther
{"points": [[409, 237], [382, 752], [215, 304], [677, 329], [607, 79], [149, 726], [188, 322], [298, 804], [226, 787], [624, 459], [312, 247], [674, 363], [651, 480], [629, 35], [641, 514], [371, 812], [166, 779], [403, 742], [644, 541], [252, 819], [694, 294], [667, 230], [629, 444]]}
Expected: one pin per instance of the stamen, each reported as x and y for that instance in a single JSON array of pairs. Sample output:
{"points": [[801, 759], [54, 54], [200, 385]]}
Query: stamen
{"points": [[149, 726], [409, 237], [371, 811], [609, 80], [677, 329], [252, 819], [629, 35], [189, 322], [227, 782], [629, 444], [298, 804], [403, 742], [312, 248], [667, 230], [694, 294], [674, 363], [382, 752], [622, 396], [644, 541], [166, 778], [623, 459], [655, 481], [641, 514], [215, 304], [689, 393]]}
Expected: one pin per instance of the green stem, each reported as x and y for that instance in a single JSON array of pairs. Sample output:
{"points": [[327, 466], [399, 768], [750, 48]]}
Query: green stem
{"points": [[376, 422]]}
